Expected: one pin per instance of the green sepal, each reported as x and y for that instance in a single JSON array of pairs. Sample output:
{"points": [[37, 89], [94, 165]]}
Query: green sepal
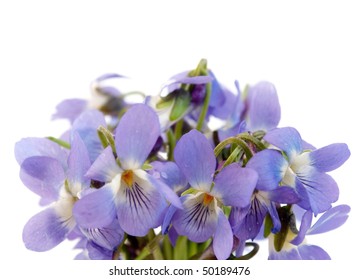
{"points": [[106, 138], [165, 102], [227, 210], [285, 216], [189, 191], [181, 104], [268, 225], [147, 166]]}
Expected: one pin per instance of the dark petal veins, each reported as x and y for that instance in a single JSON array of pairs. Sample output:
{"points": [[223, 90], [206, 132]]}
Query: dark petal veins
{"points": [[197, 220]]}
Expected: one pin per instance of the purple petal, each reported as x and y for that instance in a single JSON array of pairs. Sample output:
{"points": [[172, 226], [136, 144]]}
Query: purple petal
{"points": [[78, 162], [166, 191], [66, 136], [96, 252], [234, 185], [171, 210], [307, 146], [96, 209], [70, 109], [196, 221], [304, 226], [273, 213], [317, 190], [284, 194], [86, 126], [237, 215], [291, 254], [195, 158], [287, 139], [218, 94], [270, 166], [312, 252], [263, 108], [197, 80], [229, 130], [330, 157], [237, 111], [223, 238], [43, 175], [173, 236], [332, 219], [105, 167], [108, 91], [140, 207], [183, 78], [249, 220], [136, 134], [170, 174], [29, 147], [108, 237], [44, 231], [224, 111], [109, 76], [82, 256]]}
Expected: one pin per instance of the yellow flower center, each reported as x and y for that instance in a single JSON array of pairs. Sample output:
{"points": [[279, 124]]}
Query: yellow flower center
{"points": [[207, 199], [127, 177]]}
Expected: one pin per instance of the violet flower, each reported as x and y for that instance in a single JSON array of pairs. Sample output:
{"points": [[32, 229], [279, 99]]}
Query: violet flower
{"points": [[202, 216], [47, 177], [246, 222], [107, 99], [303, 170], [259, 110], [295, 246], [134, 196]]}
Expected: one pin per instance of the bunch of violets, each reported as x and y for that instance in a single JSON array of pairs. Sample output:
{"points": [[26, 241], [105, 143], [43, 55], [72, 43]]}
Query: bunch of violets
{"points": [[152, 179]]}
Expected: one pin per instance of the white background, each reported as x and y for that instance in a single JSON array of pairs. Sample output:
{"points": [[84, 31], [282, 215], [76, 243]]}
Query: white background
{"points": [[52, 50]]}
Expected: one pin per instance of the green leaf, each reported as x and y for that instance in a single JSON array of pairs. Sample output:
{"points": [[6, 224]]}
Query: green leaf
{"points": [[181, 104]]}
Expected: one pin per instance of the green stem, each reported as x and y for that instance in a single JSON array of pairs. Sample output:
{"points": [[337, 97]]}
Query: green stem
{"points": [[247, 137], [233, 140], [205, 106], [143, 254], [178, 129], [60, 142], [180, 251], [117, 252], [171, 144], [192, 248], [259, 134], [155, 245], [232, 157], [201, 68], [250, 255], [167, 248]]}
